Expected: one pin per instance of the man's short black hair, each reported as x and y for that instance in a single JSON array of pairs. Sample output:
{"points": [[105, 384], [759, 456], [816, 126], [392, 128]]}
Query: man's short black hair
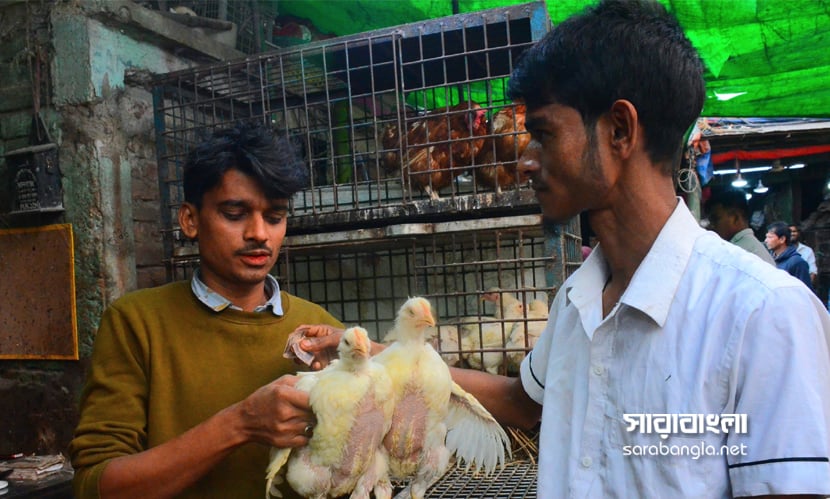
{"points": [[619, 49], [253, 149], [731, 200], [781, 229]]}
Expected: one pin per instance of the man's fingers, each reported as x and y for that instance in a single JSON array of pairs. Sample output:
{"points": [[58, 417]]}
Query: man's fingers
{"points": [[320, 343]]}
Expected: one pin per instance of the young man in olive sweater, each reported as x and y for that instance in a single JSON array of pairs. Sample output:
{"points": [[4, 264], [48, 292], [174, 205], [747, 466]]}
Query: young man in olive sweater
{"points": [[187, 386]]}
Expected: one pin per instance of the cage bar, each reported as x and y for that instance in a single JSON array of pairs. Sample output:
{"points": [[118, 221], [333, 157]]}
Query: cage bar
{"points": [[514, 481], [364, 276]]}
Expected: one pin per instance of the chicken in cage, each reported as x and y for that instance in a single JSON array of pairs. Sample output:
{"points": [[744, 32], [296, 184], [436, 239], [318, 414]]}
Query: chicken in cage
{"points": [[409, 120], [439, 146]]}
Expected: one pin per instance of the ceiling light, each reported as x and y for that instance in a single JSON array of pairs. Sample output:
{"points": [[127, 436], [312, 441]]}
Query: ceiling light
{"points": [[748, 196], [739, 181], [754, 169], [728, 96], [795, 166], [760, 188]]}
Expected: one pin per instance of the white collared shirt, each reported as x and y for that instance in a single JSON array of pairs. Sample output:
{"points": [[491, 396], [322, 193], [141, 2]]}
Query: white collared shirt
{"points": [[703, 328], [217, 302], [807, 254]]}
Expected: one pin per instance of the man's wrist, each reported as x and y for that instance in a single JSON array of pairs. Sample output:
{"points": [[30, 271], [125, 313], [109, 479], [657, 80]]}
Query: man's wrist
{"points": [[231, 421]]}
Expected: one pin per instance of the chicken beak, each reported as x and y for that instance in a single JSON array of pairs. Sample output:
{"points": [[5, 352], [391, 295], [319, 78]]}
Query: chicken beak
{"points": [[428, 319], [362, 347]]}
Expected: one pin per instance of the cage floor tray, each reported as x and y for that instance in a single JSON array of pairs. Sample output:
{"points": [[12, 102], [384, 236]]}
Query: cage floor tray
{"points": [[515, 480]]}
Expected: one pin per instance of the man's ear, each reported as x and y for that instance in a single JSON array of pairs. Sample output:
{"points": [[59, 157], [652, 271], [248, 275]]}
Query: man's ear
{"points": [[189, 220], [625, 130]]}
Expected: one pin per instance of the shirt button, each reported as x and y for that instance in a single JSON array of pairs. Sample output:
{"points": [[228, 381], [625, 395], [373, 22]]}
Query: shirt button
{"points": [[598, 370], [587, 462]]}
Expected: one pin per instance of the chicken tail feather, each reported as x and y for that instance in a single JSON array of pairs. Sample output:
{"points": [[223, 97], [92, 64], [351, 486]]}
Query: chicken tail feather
{"points": [[278, 459]]}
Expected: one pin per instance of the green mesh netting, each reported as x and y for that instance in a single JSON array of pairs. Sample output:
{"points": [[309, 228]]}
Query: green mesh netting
{"points": [[763, 57]]}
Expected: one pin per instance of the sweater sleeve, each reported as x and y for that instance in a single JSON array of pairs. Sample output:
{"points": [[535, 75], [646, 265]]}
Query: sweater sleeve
{"points": [[113, 403]]}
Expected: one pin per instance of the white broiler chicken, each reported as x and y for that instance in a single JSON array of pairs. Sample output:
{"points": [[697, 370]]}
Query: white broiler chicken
{"points": [[525, 334], [446, 340], [483, 345], [353, 401], [434, 417]]}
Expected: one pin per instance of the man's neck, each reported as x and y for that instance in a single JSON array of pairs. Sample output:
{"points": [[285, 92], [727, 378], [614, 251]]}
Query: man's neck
{"points": [[626, 240]]}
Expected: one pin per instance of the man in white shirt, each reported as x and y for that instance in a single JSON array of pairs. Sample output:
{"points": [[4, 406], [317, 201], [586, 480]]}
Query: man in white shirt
{"points": [[674, 364], [805, 251]]}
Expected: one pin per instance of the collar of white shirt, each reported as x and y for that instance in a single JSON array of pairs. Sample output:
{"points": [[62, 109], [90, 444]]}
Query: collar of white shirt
{"points": [[655, 282], [217, 302]]}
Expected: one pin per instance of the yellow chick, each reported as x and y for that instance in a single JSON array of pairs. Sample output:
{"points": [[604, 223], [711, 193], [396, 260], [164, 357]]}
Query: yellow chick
{"points": [[524, 335], [483, 345], [353, 401], [433, 416]]}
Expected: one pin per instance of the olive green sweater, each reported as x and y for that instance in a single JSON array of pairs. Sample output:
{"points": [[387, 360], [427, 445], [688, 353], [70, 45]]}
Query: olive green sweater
{"points": [[162, 363]]}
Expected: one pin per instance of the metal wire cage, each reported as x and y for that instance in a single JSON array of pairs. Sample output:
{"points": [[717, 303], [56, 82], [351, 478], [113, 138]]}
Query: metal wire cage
{"points": [[364, 276], [370, 112]]}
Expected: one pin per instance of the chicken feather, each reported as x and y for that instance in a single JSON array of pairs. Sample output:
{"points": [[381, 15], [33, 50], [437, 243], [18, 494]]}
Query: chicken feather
{"points": [[524, 334], [429, 406], [480, 339], [507, 139], [352, 401], [437, 147]]}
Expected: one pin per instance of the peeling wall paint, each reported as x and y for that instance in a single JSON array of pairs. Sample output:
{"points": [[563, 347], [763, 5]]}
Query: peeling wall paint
{"points": [[111, 53], [91, 58]]}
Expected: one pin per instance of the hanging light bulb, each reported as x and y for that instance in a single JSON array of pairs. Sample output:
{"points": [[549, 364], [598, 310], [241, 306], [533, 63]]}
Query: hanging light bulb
{"points": [[748, 196], [739, 181], [760, 188]]}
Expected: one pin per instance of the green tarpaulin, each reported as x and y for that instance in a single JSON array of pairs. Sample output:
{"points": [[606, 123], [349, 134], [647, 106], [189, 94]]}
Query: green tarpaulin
{"points": [[763, 57]]}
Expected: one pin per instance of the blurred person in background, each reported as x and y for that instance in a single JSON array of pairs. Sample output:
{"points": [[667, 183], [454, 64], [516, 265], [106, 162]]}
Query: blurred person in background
{"points": [[786, 257], [728, 214], [805, 251]]}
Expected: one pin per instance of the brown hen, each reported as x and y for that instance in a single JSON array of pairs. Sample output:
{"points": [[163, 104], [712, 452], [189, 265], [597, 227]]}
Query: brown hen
{"points": [[437, 147], [498, 157]]}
